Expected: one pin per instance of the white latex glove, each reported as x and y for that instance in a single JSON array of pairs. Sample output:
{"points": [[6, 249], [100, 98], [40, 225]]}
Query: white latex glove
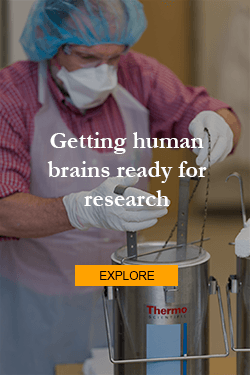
{"points": [[123, 218], [242, 242], [221, 137]]}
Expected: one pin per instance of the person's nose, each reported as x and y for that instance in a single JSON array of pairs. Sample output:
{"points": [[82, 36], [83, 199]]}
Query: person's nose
{"points": [[108, 62], [102, 62]]}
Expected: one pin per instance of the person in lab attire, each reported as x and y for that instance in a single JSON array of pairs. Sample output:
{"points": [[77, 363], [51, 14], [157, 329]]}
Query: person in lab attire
{"points": [[80, 79]]}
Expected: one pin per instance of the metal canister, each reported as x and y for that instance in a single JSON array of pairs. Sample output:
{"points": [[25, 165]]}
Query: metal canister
{"points": [[240, 284], [164, 329], [243, 315]]}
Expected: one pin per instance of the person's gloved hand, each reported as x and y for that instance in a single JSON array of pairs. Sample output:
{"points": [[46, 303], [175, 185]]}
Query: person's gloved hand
{"points": [[125, 218], [221, 137]]}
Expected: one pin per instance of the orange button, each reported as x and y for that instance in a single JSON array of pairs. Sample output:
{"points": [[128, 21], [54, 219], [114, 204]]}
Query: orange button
{"points": [[126, 275]]}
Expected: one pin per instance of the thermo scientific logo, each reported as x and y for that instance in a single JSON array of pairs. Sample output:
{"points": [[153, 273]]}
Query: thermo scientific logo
{"points": [[171, 312]]}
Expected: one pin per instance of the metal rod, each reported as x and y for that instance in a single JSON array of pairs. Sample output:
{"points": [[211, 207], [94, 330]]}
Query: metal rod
{"points": [[243, 209], [125, 322], [231, 324], [161, 250], [222, 319], [183, 204]]}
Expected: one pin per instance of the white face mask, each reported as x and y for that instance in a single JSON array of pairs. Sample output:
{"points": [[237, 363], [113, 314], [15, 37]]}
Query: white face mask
{"points": [[89, 87]]}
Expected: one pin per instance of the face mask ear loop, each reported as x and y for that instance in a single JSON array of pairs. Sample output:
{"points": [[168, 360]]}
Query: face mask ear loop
{"points": [[67, 50], [56, 63]]}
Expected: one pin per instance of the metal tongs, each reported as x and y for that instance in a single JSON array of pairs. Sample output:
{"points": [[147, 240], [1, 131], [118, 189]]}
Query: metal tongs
{"points": [[182, 244]]}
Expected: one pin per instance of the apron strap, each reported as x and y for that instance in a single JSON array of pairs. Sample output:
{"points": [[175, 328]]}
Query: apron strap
{"points": [[42, 82]]}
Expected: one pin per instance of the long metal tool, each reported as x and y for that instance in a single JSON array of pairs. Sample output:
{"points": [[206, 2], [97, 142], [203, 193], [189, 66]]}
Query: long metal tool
{"points": [[243, 209], [182, 225], [189, 200], [131, 236], [161, 250], [182, 221], [181, 229], [182, 218]]}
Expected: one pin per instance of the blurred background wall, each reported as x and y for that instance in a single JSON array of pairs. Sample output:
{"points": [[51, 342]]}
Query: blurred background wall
{"points": [[18, 12], [206, 43], [221, 63]]}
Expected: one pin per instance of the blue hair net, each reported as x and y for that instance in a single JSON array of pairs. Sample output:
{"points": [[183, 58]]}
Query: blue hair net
{"points": [[52, 23]]}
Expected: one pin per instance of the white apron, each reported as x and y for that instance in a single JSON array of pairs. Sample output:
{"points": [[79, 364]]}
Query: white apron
{"points": [[45, 319], [47, 264]]}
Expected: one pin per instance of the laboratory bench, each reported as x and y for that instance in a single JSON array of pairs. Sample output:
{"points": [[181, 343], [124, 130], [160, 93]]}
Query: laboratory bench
{"points": [[218, 366]]}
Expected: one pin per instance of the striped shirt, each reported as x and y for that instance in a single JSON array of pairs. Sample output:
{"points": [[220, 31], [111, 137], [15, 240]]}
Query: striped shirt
{"points": [[171, 106]]}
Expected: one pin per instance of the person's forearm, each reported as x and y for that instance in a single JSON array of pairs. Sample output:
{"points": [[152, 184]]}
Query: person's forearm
{"points": [[233, 122], [28, 216]]}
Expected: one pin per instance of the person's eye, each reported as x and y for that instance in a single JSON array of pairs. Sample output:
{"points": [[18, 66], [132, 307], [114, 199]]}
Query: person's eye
{"points": [[89, 58], [82, 57], [114, 59]]}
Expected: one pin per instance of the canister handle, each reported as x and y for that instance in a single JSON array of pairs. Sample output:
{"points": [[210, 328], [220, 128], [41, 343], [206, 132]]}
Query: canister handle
{"points": [[212, 283], [233, 287]]}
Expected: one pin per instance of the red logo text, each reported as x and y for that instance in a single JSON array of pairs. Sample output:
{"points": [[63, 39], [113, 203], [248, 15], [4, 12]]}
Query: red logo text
{"points": [[173, 310]]}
